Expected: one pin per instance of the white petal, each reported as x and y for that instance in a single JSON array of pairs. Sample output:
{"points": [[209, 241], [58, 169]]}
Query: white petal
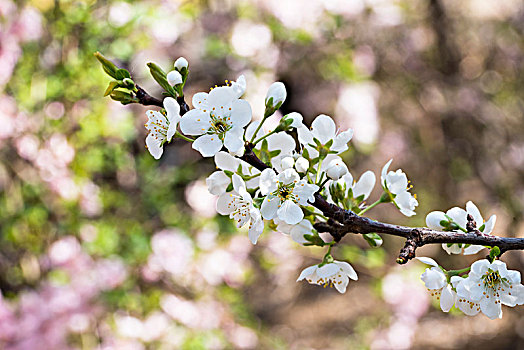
{"points": [[434, 218], [256, 227], [225, 203], [347, 269], [233, 140], [490, 224], [427, 261], [269, 207], [305, 192], [238, 183], [217, 183], [221, 99], [200, 101], [290, 212], [174, 78], [207, 145], [307, 272], [239, 86], [384, 172], [281, 141], [473, 249], [341, 141], [474, 211], [327, 270], [153, 145], [240, 113], [305, 137], [226, 161], [458, 215], [490, 308], [364, 185], [268, 181], [406, 203], [447, 298], [480, 267], [341, 287], [453, 249], [434, 278], [323, 128], [195, 122]]}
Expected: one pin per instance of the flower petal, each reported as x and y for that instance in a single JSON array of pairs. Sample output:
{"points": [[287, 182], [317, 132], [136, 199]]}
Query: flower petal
{"points": [[473, 249], [233, 140], [200, 101], [347, 269], [307, 272], [240, 113], [290, 212], [323, 128], [490, 224], [472, 209], [364, 185], [153, 145], [327, 270], [207, 145], [195, 122], [434, 218], [269, 207], [447, 298], [427, 261]]}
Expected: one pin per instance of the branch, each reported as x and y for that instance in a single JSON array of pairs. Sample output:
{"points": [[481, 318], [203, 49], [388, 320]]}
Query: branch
{"points": [[343, 221]]}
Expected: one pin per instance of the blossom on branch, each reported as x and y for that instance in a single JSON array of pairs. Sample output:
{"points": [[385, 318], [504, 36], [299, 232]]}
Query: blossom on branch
{"points": [[162, 126], [285, 193], [456, 219], [324, 130], [336, 273], [396, 184], [238, 204], [219, 117]]}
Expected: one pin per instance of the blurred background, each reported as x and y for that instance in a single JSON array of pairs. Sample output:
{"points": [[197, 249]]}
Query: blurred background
{"points": [[104, 247]]}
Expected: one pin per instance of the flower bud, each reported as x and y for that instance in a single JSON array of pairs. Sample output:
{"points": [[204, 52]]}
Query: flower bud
{"points": [[181, 63], [301, 164], [276, 95], [336, 169], [297, 119], [287, 162], [174, 78]]}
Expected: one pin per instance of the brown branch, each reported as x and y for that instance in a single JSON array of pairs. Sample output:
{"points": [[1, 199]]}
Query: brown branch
{"points": [[340, 222]]}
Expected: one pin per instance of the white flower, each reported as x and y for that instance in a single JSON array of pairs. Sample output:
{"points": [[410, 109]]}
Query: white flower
{"points": [[239, 206], [467, 306], [396, 184], [336, 169], [162, 127], [362, 187], [332, 274], [296, 118], [220, 117], [276, 95], [218, 181], [181, 63], [455, 219], [491, 285], [297, 231], [174, 78], [287, 162], [284, 195], [301, 164], [436, 282], [323, 129]]}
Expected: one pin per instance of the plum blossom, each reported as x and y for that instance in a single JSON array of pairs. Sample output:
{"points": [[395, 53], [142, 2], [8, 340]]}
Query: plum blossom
{"points": [[174, 78], [276, 95], [296, 232], [323, 129], [218, 181], [396, 184], [336, 273], [285, 193], [456, 219], [238, 204], [437, 284], [491, 285], [336, 169], [162, 127], [219, 117], [301, 164], [181, 63]]}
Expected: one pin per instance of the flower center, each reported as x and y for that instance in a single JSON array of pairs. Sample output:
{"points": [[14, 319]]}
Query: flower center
{"points": [[219, 126], [492, 280], [285, 192]]}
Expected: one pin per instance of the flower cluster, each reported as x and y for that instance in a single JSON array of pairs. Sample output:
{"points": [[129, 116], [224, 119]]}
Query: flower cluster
{"points": [[487, 286], [456, 219], [264, 178]]}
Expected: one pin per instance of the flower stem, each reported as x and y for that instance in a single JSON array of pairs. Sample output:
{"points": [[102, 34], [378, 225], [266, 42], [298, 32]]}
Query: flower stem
{"points": [[263, 137], [317, 179], [451, 273], [266, 115], [179, 135], [371, 206]]}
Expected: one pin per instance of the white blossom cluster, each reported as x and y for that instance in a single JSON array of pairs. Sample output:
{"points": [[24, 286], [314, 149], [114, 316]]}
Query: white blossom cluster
{"points": [[280, 196]]}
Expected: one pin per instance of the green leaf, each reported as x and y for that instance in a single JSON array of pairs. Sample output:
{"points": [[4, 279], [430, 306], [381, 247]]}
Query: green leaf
{"points": [[373, 239], [229, 187], [494, 252], [122, 74], [108, 66], [274, 153], [329, 144], [160, 77], [305, 153], [112, 85]]}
